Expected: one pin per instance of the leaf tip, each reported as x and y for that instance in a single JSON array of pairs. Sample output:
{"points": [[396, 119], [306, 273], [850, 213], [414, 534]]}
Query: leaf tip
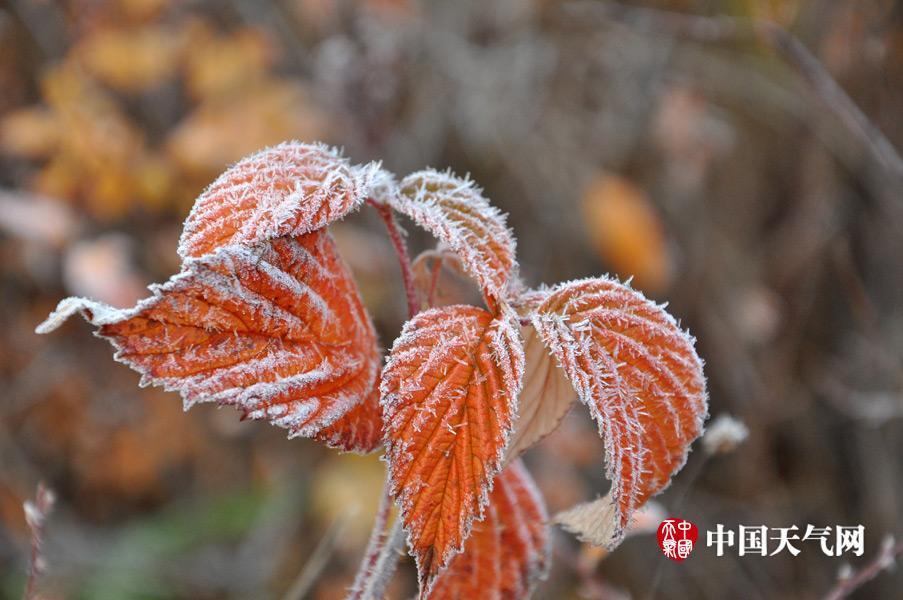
{"points": [[94, 312]]}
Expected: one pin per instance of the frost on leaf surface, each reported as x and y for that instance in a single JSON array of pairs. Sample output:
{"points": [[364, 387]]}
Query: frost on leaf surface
{"points": [[639, 375], [289, 189], [360, 429], [508, 551], [276, 330], [455, 211], [449, 391]]}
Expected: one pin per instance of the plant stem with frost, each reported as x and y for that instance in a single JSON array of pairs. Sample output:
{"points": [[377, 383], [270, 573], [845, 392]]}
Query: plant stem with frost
{"points": [[381, 557], [401, 250]]}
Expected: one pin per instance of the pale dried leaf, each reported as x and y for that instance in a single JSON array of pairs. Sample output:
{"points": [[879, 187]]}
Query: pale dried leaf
{"points": [[546, 398], [597, 522]]}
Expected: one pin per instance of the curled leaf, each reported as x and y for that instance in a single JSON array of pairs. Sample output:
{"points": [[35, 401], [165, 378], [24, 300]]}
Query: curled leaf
{"points": [[287, 190], [276, 330], [441, 280], [448, 391], [639, 375], [546, 398], [596, 522], [455, 211], [508, 551]]}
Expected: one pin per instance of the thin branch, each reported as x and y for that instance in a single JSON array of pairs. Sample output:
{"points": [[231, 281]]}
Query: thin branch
{"points": [[318, 560], [689, 478], [739, 30], [885, 559], [401, 250], [381, 557], [373, 582], [374, 547], [36, 513]]}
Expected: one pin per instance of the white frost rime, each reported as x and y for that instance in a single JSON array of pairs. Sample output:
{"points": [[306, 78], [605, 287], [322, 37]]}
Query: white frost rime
{"points": [[276, 330], [449, 393], [455, 211], [640, 376], [508, 552], [289, 189]]}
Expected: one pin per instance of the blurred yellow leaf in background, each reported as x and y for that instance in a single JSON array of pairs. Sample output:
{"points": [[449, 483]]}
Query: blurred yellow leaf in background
{"points": [[348, 487], [131, 60], [222, 130], [221, 65], [626, 231], [31, 132]]}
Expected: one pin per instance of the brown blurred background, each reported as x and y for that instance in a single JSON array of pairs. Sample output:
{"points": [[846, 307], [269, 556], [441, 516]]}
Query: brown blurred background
{"points": [[708, 167]]}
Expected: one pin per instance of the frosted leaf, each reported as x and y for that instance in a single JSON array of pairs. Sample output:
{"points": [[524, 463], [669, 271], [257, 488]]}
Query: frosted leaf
{"points": [[276, 330], [383, 184], [546, 398], [448, 392], [508, 551], [455, 211], [639, 375], [287, 190], [358, 430]]}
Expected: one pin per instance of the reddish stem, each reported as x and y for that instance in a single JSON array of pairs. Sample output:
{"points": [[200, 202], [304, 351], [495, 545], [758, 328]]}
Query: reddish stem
{"points": [[885, 560], [367, 570], [380, 558], [401, 250]]}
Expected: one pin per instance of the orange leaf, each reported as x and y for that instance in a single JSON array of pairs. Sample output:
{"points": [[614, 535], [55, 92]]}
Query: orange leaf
{"points": [[358, 430], [290, 189], [449, 391], [276, 330], [455, 211], [508, 551], [640, 377]]}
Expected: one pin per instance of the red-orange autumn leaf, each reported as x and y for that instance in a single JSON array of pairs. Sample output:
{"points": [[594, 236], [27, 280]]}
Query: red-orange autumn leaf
{"points": [[449, 391], [276, 330], [290, 189], [455, 211], [508, 551], [360, 429], [639, 375]]}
